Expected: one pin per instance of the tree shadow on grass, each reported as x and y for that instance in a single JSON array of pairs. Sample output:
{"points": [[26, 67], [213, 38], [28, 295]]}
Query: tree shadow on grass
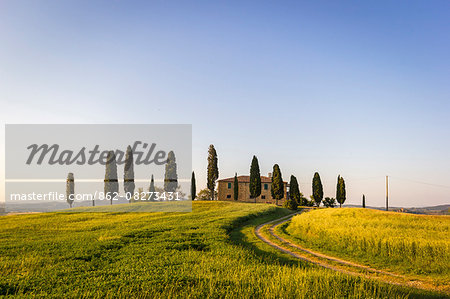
{"points": [[239, 238]]}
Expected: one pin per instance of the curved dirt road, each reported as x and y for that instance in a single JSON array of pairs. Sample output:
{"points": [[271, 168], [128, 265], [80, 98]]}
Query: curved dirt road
{"points": [[334, 263]]}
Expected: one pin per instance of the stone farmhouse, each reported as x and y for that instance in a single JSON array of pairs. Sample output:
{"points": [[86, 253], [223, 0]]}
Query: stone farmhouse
{"points": [[226, 190]]}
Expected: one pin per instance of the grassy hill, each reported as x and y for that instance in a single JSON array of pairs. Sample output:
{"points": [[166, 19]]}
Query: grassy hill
{"points": [[211, 252], [405, 243]]}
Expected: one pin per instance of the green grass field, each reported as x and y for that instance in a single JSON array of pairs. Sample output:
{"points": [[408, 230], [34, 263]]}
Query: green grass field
{"points": [[405, 243], [211, 252]]}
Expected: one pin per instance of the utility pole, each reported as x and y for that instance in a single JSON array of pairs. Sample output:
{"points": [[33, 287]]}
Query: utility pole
{"points": [[387, 194]]}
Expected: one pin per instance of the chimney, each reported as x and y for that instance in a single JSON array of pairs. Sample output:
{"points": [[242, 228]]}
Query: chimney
{"points": [[269, 175]]}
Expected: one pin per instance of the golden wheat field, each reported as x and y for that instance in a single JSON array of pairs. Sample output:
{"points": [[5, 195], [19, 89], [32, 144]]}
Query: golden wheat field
{"points": [[414, 244]]}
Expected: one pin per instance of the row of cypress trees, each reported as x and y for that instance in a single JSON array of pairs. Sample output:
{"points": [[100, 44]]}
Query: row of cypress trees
{"points": [[111, 182], [317, 193], [277, 190], [295, 196]]}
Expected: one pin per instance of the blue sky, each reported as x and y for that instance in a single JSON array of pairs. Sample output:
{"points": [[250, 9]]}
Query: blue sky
{"points": [[355, 88]]}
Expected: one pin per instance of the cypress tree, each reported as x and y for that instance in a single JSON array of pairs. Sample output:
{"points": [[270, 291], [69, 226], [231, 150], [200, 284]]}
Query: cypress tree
{"points": [[294, 194], [364, 201], [213, 170], [193, 187], [255, 179], [128, 175], [277, 188], [70, 189], [294, 190], [317, 189], [340, 191], [151, 190], [235, 187], [111, 181], [171, 177]]}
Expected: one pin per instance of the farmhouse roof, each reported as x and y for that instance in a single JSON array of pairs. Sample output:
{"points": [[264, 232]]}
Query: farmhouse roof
{"points": [[246, 179]]}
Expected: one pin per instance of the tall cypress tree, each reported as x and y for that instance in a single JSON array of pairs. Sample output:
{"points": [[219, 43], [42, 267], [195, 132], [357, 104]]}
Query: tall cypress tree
{"points": [[294, 194], [317, 189], [111, 181], [151, 190], [340, 191], [294, 190], [235, 187], [213, 170], [70, 189], [364, 201], [277, 188], [255, 179], [193, 187], [171, 176], [128, 175]]}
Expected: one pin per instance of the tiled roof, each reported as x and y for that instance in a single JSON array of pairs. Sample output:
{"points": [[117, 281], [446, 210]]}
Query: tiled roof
{"points": [[246, 179]]}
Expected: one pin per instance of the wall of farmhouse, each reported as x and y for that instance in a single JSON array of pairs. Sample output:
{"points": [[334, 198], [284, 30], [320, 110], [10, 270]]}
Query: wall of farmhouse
{"points": [[226, 192]]}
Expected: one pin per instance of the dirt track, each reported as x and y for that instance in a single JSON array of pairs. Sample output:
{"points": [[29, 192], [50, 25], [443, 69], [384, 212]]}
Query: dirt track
{"points": [[334, 263]]}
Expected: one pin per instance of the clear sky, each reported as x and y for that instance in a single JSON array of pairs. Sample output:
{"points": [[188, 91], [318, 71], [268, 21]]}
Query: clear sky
{"points": [[357, 88]]}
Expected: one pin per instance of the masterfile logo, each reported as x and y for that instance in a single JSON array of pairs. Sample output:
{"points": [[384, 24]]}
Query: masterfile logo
{"points": [[45, 153]]}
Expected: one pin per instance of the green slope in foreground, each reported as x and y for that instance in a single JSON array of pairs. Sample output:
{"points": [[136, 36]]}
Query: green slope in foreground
{"points": [[416, 245], [211, 252]]}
